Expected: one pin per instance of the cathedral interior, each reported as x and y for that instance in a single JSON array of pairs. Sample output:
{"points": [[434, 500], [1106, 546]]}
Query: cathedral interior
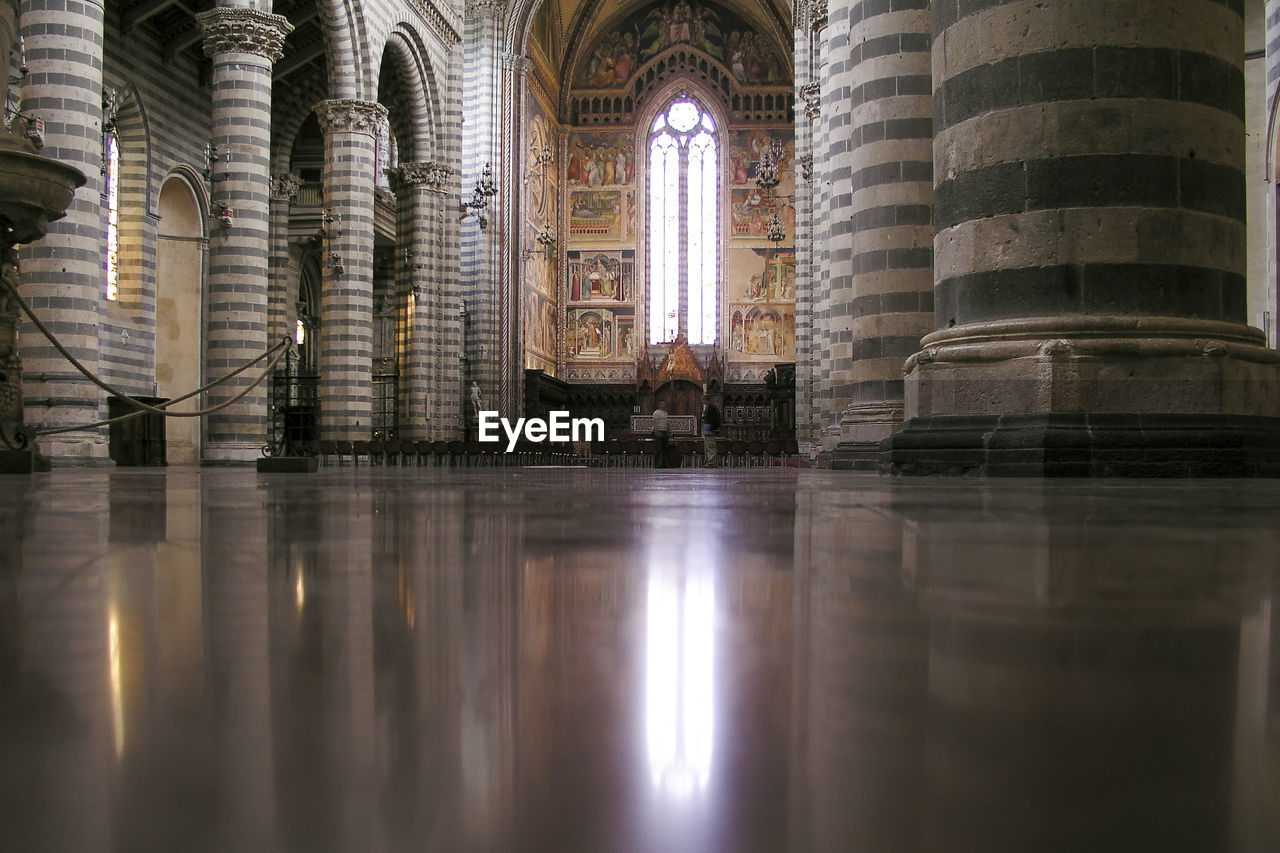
{"points": [[983, 293]]}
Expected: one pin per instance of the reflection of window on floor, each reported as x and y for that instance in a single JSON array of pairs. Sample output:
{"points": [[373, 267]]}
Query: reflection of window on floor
{"points": [[679, 676]]}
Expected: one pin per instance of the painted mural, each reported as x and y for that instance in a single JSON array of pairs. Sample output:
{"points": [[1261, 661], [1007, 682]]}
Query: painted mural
{"points": [[601, 159], [602, 215], [762, 294], [601, 334], [539, 271], [602, 276], [752, 209], [744, 147], [711, 28], [601, 315]]}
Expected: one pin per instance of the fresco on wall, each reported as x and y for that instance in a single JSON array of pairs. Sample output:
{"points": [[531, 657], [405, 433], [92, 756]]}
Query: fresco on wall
{"points": [[602, 334], [601, 159], [713, 29], [601, 215], [544, 177], [743, 148], [751, 210], [539, 271], [539, 324], [602, 276], [762, 290]]}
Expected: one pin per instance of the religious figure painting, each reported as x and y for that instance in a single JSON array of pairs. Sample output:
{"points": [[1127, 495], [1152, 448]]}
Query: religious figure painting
{"points": [[539, 319], [751, 210], [596, 215], [724, 35], [591, 333], [744, 148], [544, 177], [601, 276], [762, 275], [601, 159], [763, 331]]}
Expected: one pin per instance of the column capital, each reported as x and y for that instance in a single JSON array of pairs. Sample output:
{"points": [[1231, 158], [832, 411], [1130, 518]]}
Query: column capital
{"points": [[429, 175], [228, 30], [811, 94], [817, 14], [284, 186], [348, 114], [517, 62], [492, 9]]}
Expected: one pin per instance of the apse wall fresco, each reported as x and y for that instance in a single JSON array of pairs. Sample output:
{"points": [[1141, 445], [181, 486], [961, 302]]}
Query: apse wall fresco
{"points": [[604, 279], [720, 33]]}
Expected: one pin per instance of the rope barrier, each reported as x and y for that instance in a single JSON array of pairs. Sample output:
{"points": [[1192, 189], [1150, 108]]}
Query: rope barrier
{"points": [[279, 350]]}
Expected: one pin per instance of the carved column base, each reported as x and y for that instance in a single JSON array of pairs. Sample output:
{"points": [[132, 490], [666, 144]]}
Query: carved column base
{"points": [[1146, 397], [862, 428]]}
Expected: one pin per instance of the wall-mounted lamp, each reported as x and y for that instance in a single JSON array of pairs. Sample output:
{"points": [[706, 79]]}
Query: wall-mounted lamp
{"points": [[211, 156], [328, 219], [336, 266], [226, 216], [547, 242], [485, 190], [541, 158], [410, 255]]}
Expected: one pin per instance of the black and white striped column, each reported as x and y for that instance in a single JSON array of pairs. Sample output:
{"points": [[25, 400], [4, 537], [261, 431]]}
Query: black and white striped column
{"points": [[281, 315], [1090, 247], [63, 275], [243, 43], [433, 369], [888, 305], [346, 303]]}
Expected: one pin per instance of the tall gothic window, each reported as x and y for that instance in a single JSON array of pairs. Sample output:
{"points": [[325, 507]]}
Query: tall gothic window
{"points": [[112, 165], [684, 225]]}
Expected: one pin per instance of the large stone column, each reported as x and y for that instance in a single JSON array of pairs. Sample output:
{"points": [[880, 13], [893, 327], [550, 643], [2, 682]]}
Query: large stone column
{"points": [[346, 303], [889, 304], [433, 375], [62, 275], [243, 43], [1090, 248], [281, 315]]}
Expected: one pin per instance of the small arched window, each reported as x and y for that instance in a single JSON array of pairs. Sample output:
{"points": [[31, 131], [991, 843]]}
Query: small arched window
{"points": [[111, 172], [684, 224]]}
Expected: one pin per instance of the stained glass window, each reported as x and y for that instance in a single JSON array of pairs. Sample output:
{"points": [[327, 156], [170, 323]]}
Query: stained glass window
{"points": [[113, 216], [684, 225]]}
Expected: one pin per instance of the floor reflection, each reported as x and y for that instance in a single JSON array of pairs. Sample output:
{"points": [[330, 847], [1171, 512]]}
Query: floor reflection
{"points": [[574, 660]]}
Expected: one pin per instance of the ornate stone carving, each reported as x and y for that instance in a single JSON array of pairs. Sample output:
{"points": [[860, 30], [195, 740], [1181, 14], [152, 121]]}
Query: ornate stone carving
{"points": [[427, 174], [441, 26], [517, 62], [811, 94], [494, 9], [348, 114], [1058, 346], [284, 187], [806, 167], [817, 14], [229, 30]]}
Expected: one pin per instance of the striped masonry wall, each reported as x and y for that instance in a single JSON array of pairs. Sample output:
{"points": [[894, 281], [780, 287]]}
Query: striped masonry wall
{"points": [[1089, 163], [819, 396], [482, 72], [163, 123], [243, 44], [63, 275], [281, 314], [888, 305], [1273, 51], [346, 305], [806, 225], [447, 377]]}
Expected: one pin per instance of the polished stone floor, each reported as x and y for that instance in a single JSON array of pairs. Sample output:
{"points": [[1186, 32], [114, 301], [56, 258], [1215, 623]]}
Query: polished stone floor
{"points": [[613, 661]]}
